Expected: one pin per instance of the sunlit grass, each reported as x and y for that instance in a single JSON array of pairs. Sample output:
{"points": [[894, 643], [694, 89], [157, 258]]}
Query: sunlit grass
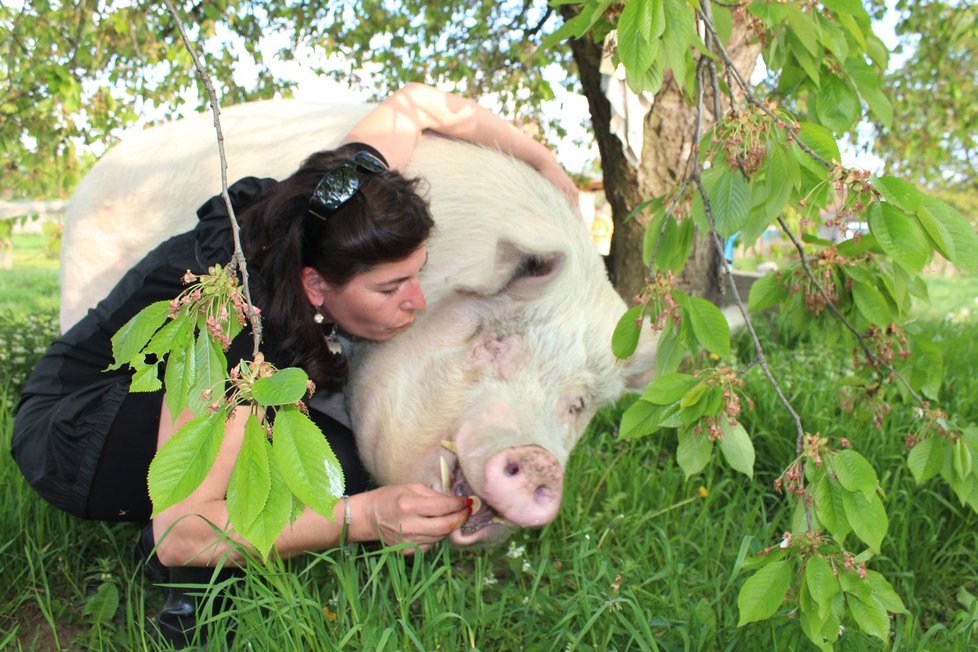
{"points": [[639, 559]]}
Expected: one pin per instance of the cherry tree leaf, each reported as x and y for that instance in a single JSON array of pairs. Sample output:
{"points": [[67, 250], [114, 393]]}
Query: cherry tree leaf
{"points": [[764, 592], [307, 463], [186, 458]]}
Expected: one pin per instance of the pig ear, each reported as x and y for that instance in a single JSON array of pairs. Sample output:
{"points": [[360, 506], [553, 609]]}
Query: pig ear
{"points": [[517, 272]]}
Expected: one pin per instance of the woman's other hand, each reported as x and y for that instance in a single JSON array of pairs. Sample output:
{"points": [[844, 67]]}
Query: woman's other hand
{"points": [[410, 513]]}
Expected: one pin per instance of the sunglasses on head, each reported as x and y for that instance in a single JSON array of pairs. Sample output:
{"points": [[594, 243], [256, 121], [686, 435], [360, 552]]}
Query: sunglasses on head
{"points": [[341, 184]]}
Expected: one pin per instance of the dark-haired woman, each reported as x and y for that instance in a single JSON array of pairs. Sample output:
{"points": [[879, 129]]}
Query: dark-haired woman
{"points": [[337, 246]]}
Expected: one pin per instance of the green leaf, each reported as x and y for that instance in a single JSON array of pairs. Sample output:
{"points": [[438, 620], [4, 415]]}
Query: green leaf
{"points": [[871, 304], [210, 372], [284, 387], [637, 46], [175, 334], [870, 616], [641, 418], [103, 605], [829, 508], [898, 192], [867, 518], [280, 509], [183, 462], [678, 36], [808, 62], [576, 27], [737, 447], [899, 236], [146, 378], [676, 245], [867, 81], [723, 22], [669, 350], [766, 292], [883, 591], [926, 458], [624, 341], [803, 27], [129, 340], [820, 140], [764, 592], [251, 479], [961, 233], [654, 232], [837, 105], [179, 378], [694, 452], [306, 461], [709, 325], [699, 402], [854, 472], [822, 584], [729, 195], [961, 458], [258, 500], [938, 235], [668, 388]]}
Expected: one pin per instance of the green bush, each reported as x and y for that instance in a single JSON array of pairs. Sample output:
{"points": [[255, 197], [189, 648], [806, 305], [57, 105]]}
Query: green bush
{"points": [[23, 340]]}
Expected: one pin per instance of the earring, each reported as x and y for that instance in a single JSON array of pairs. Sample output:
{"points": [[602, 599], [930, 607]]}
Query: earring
{"points": [[332, 341]]}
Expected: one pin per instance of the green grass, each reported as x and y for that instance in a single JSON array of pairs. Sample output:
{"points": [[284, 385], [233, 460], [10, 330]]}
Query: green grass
{"points": [[639, 558], [31, 285]]}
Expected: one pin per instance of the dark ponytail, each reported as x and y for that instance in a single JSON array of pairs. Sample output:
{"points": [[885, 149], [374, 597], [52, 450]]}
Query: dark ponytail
{"points": [[385, 221]]}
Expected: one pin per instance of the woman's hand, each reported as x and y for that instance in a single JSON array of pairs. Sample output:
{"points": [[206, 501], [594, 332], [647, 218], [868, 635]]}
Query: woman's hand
{"points": [[396, 124], [407, 513]]}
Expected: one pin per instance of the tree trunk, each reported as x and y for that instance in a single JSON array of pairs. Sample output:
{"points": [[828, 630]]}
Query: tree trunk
{"points": [[669, 129]]}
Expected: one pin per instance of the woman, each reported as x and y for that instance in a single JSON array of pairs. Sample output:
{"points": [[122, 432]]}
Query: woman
{"points": [[338, 245]]}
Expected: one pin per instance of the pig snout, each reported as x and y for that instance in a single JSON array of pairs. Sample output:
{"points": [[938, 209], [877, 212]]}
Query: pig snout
{"points": [[524, 484]]}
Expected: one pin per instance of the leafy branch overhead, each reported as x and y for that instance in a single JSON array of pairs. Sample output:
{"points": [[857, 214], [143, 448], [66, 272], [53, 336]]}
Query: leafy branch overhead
{"points": [[762, 163]]}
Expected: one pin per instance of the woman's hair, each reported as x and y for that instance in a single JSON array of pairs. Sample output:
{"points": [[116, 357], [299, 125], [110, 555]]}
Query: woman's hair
{"points": [[385, 221]]}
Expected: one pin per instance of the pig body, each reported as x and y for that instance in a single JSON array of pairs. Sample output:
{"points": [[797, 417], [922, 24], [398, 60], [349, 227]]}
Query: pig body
{"points": [[492, 387]]}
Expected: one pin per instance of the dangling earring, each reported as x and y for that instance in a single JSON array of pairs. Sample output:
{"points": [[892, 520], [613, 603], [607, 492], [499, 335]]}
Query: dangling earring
{"points": [[332, 341]]}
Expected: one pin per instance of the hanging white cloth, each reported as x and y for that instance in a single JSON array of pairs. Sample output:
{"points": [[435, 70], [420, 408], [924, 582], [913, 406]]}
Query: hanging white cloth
{"points": [[628, 109]]}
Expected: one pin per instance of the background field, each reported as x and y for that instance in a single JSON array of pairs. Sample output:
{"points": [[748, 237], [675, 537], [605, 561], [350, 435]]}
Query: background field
{"points": [[639, 558]]}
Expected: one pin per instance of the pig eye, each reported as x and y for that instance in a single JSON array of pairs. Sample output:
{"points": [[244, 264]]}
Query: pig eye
{"points": [[577, 405]]}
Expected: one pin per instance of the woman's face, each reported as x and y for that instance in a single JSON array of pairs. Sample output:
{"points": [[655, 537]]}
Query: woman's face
{"points": [[380, 303]]}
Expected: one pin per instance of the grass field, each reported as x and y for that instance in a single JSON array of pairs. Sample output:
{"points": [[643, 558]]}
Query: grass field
{"points": [[639, 558]]}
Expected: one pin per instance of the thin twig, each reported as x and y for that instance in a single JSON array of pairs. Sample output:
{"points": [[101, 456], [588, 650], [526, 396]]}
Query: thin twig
{"points": [[872, 357], [715, 238], [238, 259], [748, 92], [752, 98]]}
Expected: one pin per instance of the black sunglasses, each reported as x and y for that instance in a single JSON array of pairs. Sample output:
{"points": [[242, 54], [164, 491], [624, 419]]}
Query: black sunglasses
{"points": [[341, 184]]}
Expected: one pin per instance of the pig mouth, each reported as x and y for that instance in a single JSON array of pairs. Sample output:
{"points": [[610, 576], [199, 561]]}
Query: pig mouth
{"points": [[454, 483], [481, 517]]}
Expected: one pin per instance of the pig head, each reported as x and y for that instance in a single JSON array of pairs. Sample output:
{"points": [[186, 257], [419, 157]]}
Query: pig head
{"points": [[498, 379], [490, 390]]}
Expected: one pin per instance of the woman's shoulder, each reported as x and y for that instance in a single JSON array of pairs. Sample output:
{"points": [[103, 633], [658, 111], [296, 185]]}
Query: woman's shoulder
{"points": [[213, 230]]}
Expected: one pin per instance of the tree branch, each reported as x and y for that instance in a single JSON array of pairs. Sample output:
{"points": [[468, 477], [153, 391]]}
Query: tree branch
{"points": [[238, 259]]}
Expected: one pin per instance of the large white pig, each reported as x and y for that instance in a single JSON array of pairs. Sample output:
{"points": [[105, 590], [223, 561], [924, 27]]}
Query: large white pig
{"points": [[495, 381]]}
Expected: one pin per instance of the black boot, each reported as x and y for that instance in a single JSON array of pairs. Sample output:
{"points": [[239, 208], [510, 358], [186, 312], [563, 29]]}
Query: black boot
{"points": [[177, 620]]}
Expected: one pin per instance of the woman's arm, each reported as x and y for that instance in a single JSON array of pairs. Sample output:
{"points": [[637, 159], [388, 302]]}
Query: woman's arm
{"points": [[397, 123], [186, 536]]}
